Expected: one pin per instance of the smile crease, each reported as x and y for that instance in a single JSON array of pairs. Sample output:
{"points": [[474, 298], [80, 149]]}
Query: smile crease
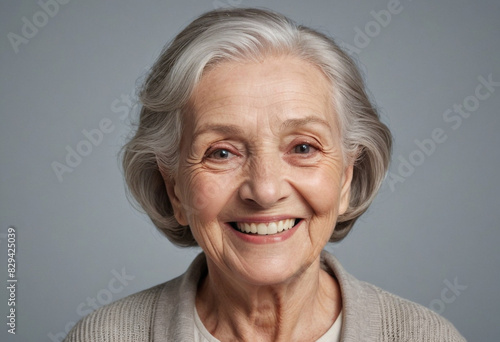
{"points": [[265, 228]]}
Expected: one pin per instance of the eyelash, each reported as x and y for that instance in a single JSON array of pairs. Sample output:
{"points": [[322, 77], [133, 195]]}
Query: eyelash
{"points": [[313, 148], [213, 150], [211, 155], [309, 146]]}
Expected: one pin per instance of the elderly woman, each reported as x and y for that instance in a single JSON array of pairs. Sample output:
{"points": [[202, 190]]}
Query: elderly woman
{"points": [[257, 142]]}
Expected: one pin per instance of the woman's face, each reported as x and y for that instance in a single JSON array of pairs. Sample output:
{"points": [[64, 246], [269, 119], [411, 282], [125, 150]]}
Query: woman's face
{"points": [[261, 178]]}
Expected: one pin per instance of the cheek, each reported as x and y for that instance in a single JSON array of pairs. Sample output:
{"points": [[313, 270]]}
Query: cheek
{"points": [[320, 187], [203, 197]]}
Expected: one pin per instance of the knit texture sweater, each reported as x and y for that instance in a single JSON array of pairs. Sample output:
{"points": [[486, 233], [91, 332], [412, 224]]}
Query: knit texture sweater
{"points": [[166, 313]]}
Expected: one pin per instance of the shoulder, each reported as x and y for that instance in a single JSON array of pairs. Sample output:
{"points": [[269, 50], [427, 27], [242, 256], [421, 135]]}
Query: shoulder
{"points": [[374, 314], [163, 312], [404, 320], [128, 319]]}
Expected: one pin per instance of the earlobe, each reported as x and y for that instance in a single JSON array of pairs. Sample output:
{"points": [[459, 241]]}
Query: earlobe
{"points": [[345, 193], [171, 187]]}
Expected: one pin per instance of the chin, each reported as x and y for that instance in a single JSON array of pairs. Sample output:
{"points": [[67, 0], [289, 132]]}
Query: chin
{"points": [[272, 268]]}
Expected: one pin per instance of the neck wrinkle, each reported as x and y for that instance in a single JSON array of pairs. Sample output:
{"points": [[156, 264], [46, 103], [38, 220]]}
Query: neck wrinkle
{"points": [[284, 312]]}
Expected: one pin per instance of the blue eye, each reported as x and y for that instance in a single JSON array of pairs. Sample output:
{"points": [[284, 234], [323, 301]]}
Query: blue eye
{"points": [[302, 148], [220, 154]]}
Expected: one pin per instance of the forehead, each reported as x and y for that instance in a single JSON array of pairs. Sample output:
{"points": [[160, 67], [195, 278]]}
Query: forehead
{"points": [[273, 89]]}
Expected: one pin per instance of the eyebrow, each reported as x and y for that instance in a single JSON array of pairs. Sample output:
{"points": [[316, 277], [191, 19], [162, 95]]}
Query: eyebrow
{"points": [[294, 123], [236, 130], [223, 129]]}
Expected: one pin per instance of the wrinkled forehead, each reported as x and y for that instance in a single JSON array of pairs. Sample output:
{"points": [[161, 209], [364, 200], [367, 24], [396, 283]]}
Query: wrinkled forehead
{"points": [[274, 90]]}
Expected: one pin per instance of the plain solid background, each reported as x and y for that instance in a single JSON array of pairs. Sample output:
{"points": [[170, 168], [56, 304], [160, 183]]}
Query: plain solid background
{"points": [[434, 223]]}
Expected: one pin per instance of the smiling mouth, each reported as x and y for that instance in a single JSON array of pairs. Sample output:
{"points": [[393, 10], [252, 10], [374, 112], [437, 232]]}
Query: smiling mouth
{"points": [[269, 228]]}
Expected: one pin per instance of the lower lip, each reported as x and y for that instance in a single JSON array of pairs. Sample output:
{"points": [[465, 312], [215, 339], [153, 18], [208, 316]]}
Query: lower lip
{"points": [[265, 239]]}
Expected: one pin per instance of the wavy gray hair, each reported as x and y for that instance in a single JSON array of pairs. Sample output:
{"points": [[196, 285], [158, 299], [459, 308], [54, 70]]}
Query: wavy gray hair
{"points": [[242, 35]]}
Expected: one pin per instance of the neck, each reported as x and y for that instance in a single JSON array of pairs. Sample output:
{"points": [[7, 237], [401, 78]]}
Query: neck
{"points": [[302, 309]]}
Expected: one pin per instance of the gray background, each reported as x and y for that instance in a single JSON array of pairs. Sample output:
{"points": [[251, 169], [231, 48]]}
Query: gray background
{"points": [[437, 227]]}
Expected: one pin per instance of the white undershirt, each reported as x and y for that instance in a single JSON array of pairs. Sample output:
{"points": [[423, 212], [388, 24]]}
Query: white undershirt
{"points": [[201, 334]]}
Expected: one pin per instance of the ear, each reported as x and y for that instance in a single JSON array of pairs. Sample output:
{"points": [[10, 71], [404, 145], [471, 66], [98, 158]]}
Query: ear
{"points": [[173, 196], [345, 193]]}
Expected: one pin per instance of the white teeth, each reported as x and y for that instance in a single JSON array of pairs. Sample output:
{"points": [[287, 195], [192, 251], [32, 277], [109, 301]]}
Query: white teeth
{"points": [[253, 228], [272, 228], [261, 229], [266, 228]]}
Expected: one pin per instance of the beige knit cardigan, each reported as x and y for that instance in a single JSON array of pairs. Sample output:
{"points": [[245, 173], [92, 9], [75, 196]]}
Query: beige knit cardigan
{"points": [[166, 313]]}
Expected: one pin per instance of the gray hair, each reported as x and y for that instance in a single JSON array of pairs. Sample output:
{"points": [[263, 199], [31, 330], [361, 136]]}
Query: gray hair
{"points": [[242, 35]]}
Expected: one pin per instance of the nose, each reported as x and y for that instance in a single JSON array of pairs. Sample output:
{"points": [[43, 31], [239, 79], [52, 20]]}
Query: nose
{"points": [[265, 184]]}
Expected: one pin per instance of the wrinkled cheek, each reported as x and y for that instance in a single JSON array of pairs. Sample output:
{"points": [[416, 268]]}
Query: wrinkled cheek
{"points": [[200, 199]]}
